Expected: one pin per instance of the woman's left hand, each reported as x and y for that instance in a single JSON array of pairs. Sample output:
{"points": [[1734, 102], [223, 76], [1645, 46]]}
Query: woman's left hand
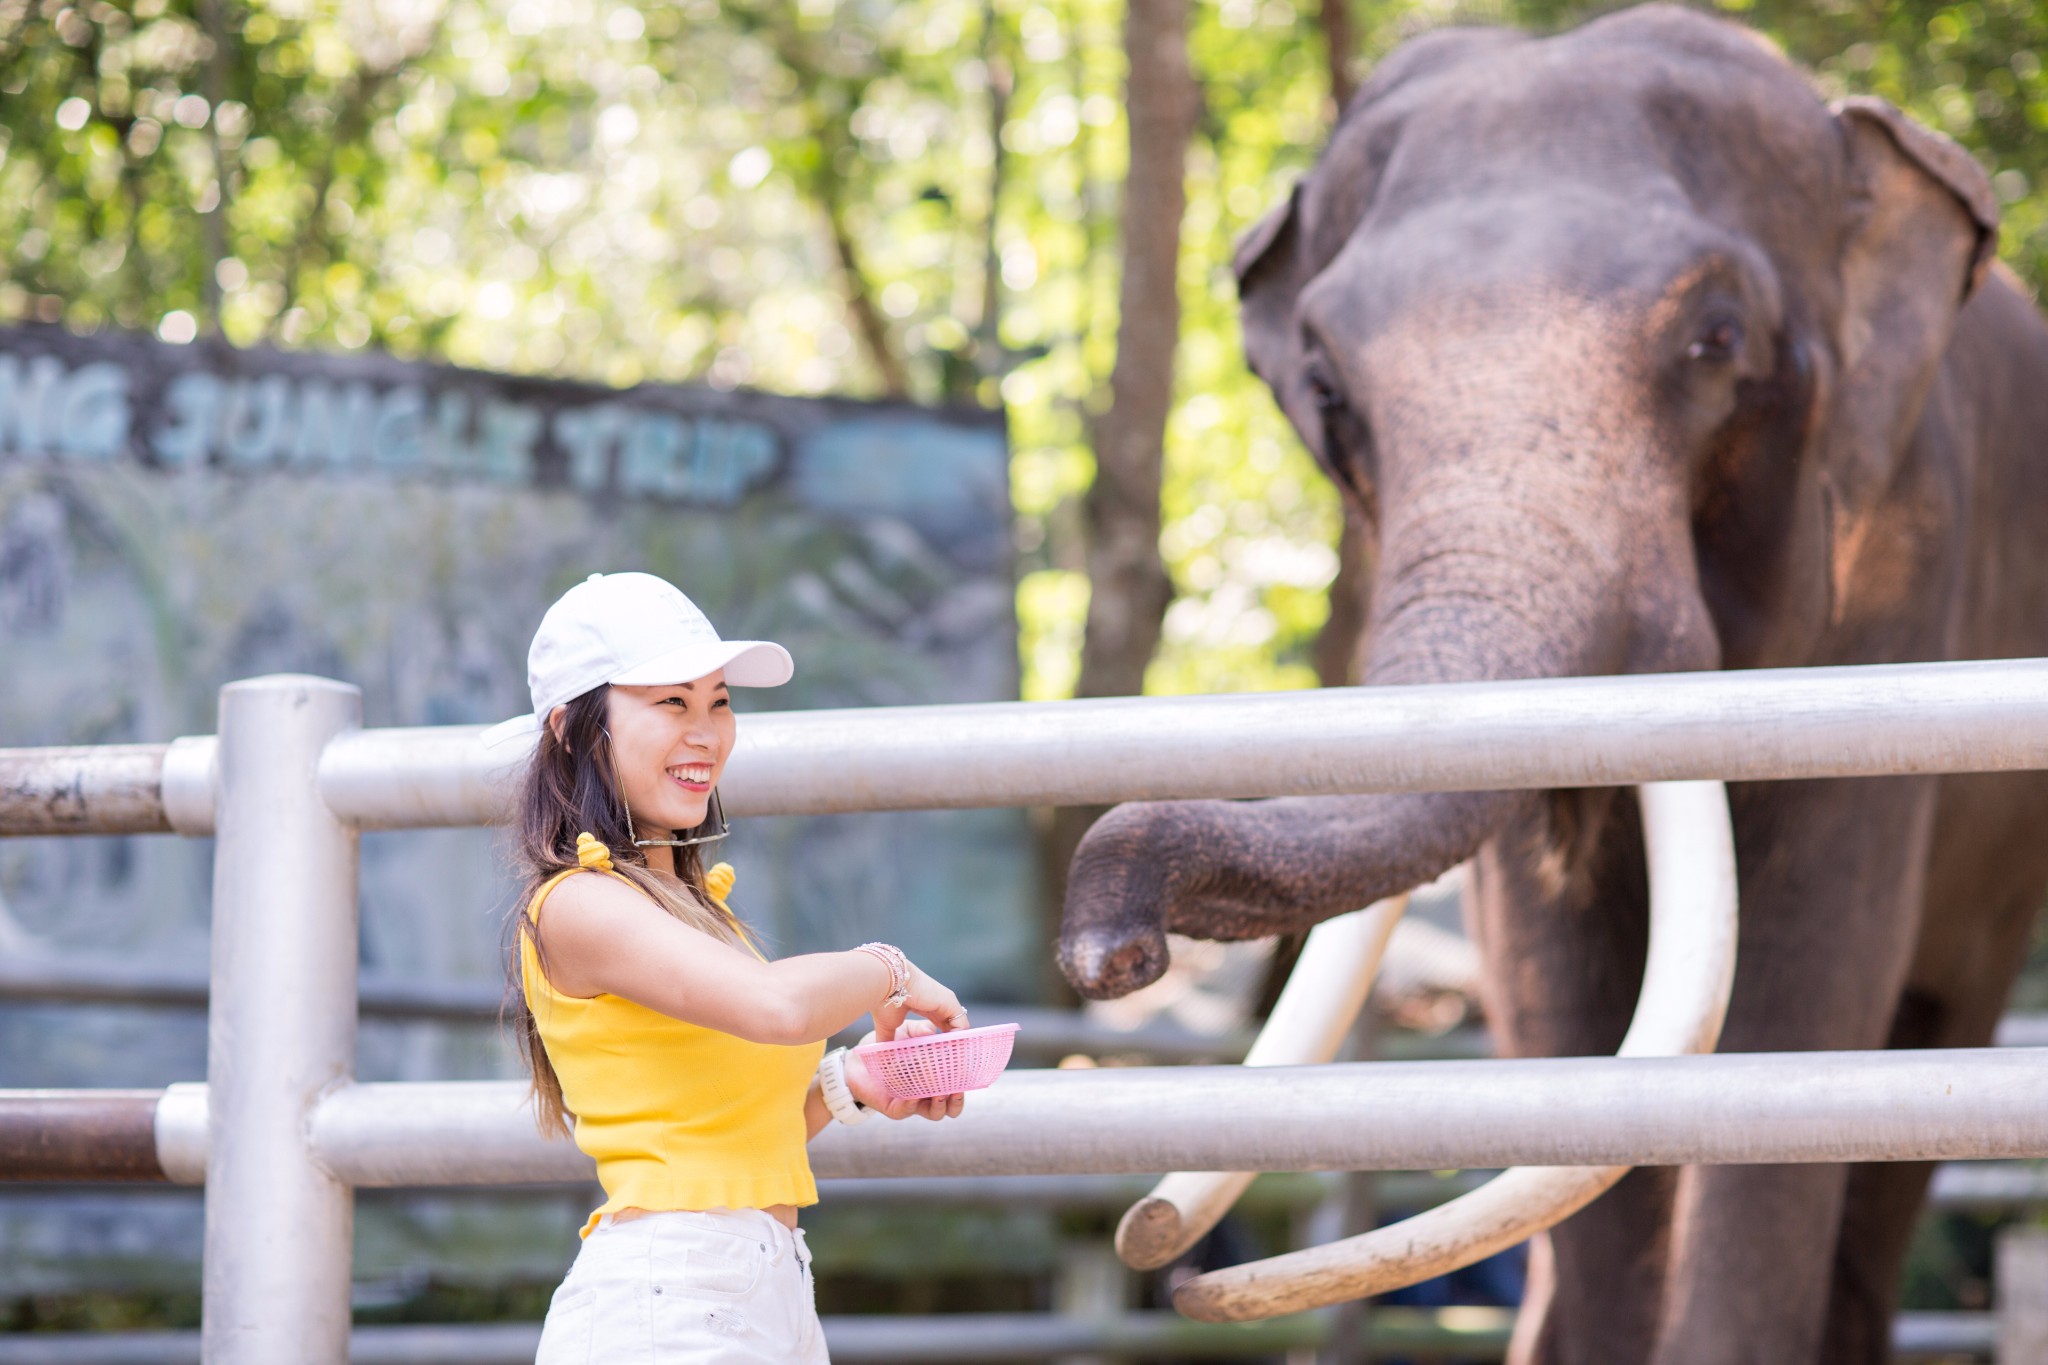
{"points": [[868, 1089]]}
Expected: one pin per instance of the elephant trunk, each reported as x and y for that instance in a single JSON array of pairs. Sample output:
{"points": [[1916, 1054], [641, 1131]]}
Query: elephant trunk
{"points": [[1476, 584]]}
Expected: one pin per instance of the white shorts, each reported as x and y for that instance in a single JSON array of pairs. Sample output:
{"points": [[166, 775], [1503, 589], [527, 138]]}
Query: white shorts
{"points": [[716, 1287]]}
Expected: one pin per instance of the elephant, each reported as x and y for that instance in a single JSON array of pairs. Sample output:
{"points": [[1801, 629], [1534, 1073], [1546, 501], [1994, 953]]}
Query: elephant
{"points": [[1635, 356]]}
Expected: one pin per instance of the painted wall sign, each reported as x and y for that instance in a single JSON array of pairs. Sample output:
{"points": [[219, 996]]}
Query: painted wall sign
{"points": [[130, 399], [175, 517]]}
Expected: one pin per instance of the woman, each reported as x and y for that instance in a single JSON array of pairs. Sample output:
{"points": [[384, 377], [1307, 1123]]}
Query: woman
{"points": [[693, 1066]]}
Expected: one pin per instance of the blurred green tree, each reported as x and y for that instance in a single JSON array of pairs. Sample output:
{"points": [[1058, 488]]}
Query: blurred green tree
{"points": [[811, 196]]}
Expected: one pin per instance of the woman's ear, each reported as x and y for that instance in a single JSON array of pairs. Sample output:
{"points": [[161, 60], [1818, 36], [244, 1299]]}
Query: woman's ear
{"points": [[558, 722], [1922, 233]]}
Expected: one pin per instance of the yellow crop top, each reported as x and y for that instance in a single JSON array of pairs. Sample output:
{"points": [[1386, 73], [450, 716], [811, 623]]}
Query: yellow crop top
{"points": [[678, 1116]]}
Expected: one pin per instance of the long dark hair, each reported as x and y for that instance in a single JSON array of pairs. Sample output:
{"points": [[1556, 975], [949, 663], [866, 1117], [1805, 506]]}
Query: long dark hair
{"points": [[572, 787]]}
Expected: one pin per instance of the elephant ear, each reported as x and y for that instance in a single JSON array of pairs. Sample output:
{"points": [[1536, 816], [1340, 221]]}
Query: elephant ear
{"points": [[1270, 265], [1274, 262], [1922, 234]]}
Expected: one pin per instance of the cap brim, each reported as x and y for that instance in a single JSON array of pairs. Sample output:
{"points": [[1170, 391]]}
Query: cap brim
{"points": [[747, 663], [505, 734]]}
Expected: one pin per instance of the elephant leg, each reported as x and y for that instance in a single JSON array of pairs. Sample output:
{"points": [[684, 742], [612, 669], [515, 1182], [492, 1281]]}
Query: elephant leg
{"points": [[1832, 879], [1751, 1269], [1596, 1280], [1984, 885], [1563, 953], [1882, 1205]]}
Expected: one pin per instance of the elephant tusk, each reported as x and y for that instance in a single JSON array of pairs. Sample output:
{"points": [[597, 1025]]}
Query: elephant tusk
{"points": [[1689, 972], [1316, 1008]]}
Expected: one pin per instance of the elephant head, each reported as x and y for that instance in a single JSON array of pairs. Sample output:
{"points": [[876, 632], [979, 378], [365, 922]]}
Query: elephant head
{"points": [[1618, 341]]}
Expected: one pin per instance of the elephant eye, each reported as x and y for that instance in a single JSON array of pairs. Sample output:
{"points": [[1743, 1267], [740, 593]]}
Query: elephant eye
{"points": [[1322, 391], [1718, 342]]}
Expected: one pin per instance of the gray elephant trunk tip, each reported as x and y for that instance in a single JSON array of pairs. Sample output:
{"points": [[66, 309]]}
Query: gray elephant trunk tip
{"points": [[1105, 964]]}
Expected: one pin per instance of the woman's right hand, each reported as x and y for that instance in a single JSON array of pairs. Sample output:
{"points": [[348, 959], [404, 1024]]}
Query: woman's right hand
{"points": [[927, 998]]}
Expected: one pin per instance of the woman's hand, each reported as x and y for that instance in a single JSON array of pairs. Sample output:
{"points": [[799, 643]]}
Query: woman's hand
{"points": [[928, 998], [868, 1088]]}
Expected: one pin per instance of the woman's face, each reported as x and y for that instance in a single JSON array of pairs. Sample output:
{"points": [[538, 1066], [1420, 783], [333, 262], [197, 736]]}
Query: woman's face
{"points": [[670, 744]]}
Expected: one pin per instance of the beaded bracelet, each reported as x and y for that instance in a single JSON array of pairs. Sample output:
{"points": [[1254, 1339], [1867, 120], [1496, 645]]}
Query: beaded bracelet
{"points": [[899, 969]]}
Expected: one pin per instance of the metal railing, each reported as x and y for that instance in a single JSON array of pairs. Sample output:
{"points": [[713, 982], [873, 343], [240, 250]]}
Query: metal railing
{"points": [[280, 1132], [1469, 1333], [1753, 726]]}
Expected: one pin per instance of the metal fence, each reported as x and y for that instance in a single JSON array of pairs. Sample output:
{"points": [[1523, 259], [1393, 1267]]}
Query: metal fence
{"points": [[281, 1132]]}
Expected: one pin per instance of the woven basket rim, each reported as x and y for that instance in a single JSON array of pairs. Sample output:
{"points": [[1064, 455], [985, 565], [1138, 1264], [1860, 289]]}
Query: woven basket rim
{"points": [[937, 1039]]}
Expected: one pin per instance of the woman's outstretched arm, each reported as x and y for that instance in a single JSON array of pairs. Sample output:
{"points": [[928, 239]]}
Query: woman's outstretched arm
{"points": [[601, 936]]}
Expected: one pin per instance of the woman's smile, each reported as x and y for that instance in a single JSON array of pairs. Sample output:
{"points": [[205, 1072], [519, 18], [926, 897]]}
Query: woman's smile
{"points": [[692, 777]]}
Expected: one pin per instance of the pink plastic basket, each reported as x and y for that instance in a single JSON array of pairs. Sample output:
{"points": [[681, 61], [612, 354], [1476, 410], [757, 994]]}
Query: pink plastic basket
{"points": [[940, 1063]]}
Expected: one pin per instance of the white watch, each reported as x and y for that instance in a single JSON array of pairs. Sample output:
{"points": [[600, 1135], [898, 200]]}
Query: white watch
{"points": [[832, 1084]]}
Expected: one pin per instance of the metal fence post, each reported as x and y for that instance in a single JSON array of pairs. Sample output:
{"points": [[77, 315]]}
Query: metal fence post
{"points": [[280, 1029], [2021, 1279]]}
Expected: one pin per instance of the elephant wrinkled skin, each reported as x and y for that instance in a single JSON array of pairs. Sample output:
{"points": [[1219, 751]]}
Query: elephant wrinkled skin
{"points": [[1638, 358]]}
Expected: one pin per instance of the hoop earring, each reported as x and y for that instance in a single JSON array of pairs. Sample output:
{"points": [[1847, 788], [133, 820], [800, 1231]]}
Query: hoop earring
{"points": [[716, 811]]}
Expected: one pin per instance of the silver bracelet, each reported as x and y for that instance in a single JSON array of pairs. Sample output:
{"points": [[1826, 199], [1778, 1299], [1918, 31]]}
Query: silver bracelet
{"points": [[839, 1100], [899, 969]]}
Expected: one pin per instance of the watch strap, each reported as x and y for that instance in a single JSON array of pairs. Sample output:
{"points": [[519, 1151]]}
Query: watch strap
{"points": [[839, 1100]]}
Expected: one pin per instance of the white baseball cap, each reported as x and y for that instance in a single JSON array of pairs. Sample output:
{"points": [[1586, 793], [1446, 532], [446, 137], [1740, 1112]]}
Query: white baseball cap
{"points": [[634, 629]]}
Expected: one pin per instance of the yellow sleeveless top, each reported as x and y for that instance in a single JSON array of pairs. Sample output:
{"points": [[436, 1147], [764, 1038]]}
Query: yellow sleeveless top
{"points": [[678, 1116]]}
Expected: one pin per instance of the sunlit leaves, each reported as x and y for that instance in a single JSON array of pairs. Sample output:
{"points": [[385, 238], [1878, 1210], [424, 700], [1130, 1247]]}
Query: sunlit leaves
{"points": [[632, 189]]}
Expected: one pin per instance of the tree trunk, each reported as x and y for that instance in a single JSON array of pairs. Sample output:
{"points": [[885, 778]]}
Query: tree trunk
{"points": [[988, 328], [1340, 45], [1129, 587], [870, 326], [829, 133]]}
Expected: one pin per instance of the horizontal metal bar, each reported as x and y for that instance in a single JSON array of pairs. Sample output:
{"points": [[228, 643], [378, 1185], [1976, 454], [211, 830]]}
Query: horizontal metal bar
{"points": [[1721, 1109], [1570, 732], [1978, 1186], [100, 981], [1754, 725], [1944, 1336], [900, 1341], [50, 1135], [1141, 1336], [1743, 1108], [1988, 1186], [1274, 1191], [1725, 1109], [1470, 1333], [1973, 1186], [497, 1144], [106, 788]]}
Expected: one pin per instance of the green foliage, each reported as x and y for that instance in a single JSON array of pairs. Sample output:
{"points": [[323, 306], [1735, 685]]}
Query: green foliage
{"points": [[100, 1311], [784, 193]]}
